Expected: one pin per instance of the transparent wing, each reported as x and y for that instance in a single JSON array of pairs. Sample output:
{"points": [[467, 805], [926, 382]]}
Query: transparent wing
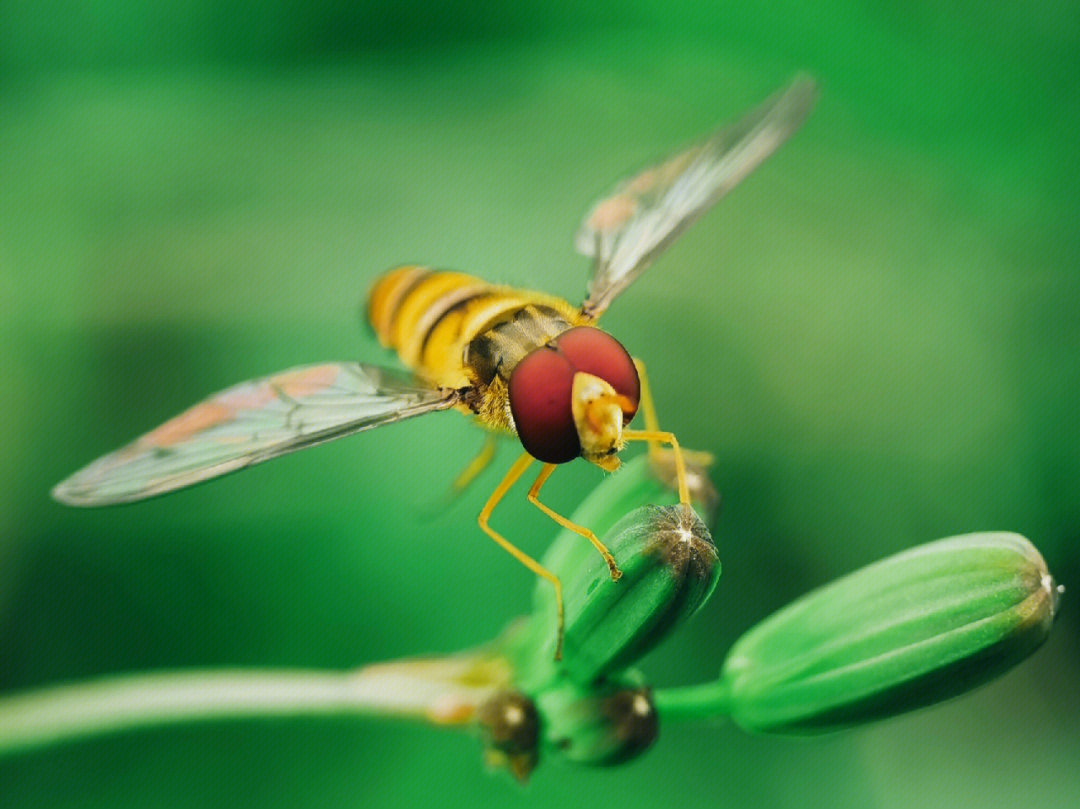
{"points": [[252, 422], [628, 228]]}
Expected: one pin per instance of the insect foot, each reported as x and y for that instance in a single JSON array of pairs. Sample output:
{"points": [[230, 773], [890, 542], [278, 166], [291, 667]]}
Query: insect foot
{"points": [[702, 492]]}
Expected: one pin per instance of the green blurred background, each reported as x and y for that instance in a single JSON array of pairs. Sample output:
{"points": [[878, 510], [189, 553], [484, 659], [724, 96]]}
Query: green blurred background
{"points": [[877, 335]]}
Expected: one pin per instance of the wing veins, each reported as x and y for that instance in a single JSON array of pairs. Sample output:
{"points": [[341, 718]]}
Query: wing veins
{"points": [[252, 422], [625, 231]]}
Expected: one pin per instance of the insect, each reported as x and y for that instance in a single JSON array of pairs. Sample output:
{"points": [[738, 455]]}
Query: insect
{"points": [[521, 362]]}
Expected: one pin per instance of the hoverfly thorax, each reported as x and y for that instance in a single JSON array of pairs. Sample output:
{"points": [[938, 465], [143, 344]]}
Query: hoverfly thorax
{"points": [[572, 396]]}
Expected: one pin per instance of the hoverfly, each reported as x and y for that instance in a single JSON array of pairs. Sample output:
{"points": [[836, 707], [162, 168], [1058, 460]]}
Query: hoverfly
{"points": [[520, 362]]}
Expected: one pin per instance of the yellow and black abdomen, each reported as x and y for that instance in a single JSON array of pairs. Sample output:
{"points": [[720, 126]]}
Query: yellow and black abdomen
{"points": [[449, 327]]}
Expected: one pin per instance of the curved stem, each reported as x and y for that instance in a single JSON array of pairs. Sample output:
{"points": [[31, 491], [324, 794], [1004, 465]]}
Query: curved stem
{"points": [[703, 701], [420, 689]]}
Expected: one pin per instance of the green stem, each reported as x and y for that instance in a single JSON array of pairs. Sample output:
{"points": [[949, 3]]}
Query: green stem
{"points": [[62, 713], [703, 701]]}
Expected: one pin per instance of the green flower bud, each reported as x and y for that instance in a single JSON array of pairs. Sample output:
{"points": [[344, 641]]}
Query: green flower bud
{"points": [[670, 569], [599, 726], [906, 632]]}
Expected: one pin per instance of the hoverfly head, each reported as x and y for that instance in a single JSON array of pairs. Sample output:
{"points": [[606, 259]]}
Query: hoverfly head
{"points": [[572, 396]]}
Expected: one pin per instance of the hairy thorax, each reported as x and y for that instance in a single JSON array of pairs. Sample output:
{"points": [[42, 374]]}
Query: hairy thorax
{"points": [[490, 358]]}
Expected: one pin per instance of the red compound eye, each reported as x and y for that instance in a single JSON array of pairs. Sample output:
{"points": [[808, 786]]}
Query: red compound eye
{"points": [[540, 392], [598, 353]]}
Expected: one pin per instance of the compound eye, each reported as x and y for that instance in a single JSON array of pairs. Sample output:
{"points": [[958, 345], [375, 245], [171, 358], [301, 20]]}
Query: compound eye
{"points": [[541, 387], [598, 353]]}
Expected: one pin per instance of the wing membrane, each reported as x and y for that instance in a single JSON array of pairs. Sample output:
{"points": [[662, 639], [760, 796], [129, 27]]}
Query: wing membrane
{"points": [[249, 423], [628, 228]]}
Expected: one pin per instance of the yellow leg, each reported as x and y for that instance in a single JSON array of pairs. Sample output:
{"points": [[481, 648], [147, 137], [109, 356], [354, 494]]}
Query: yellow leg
{"points": [[476, 465], [656, 455], [515, 472], [534, 498], [648, 409], [665, 438]]}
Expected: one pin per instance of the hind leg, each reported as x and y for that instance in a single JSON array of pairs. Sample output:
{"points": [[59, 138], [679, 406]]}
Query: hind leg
{"points": [[512, 475]]}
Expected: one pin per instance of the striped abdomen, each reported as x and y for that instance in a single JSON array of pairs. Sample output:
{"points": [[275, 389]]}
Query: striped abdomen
{"points": [[459, 331]]}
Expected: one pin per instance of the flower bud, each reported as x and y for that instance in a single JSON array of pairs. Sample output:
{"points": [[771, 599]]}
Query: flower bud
{"points": [[911, 630], [605, 725], [669, 568]]}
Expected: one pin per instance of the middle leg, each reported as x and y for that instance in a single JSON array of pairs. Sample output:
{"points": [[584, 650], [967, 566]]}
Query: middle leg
{"points": [[534, 498]]}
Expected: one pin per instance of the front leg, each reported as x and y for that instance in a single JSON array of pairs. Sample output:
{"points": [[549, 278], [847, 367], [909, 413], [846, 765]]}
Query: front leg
{"points": [[661, 437], [655, 436]]}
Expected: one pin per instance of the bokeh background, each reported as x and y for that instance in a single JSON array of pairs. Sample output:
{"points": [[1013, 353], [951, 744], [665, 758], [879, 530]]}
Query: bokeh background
{"points": [[877, 335]]}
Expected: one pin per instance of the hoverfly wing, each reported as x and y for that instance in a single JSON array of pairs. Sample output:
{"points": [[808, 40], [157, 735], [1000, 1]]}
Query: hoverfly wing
{"points": [[252, 422], [628, 228]]}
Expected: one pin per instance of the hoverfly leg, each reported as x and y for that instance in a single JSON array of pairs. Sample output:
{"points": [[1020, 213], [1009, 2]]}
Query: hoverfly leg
{"points": [[657, 457], [512, 475], [438, 504], [680, 463], [648, 409], [534, 498], [477, 465]]}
